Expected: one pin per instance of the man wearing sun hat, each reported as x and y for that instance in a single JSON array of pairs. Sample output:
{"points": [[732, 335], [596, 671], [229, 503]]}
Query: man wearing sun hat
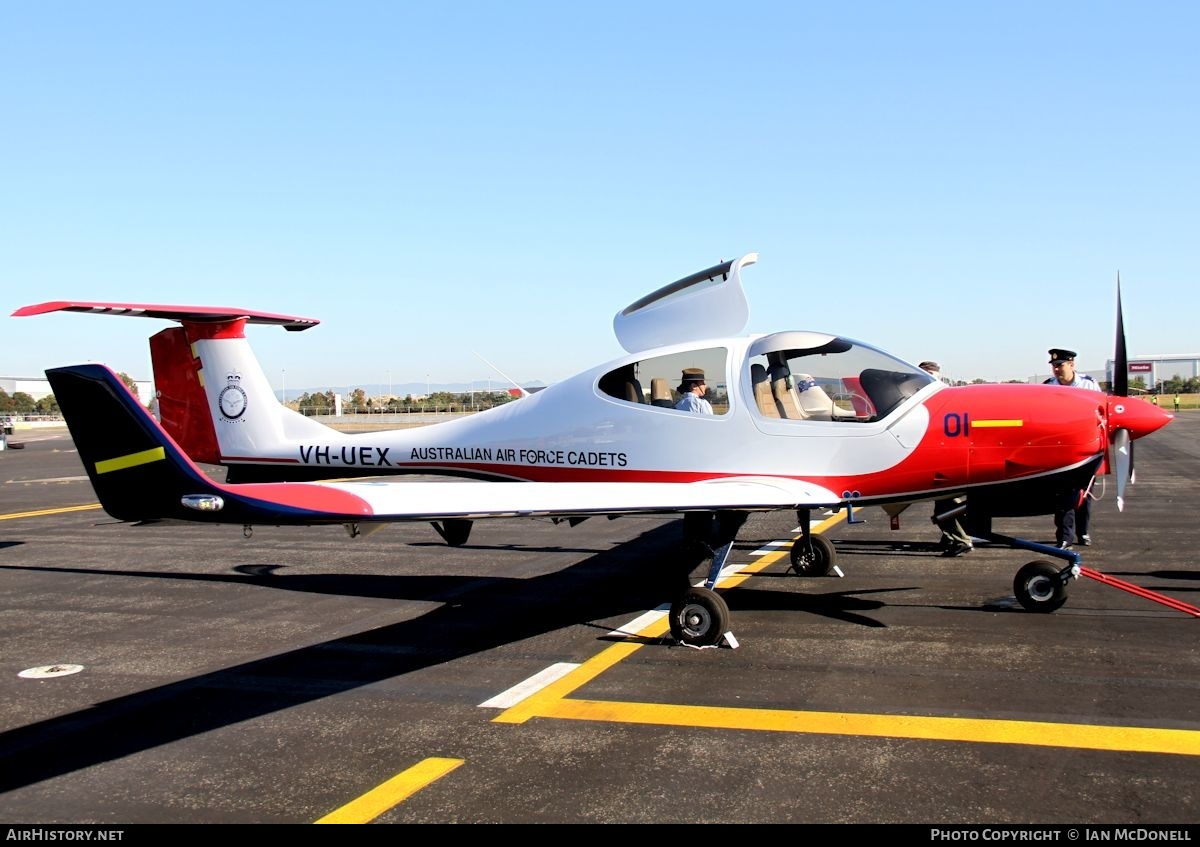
{"points": [[693, 388], [1074, 517]]}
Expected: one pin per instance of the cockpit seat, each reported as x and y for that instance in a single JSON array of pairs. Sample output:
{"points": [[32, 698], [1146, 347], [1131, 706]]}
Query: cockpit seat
{"points": [[814, 403], [623, 384], [660, 393], [783, 389], [762, 391]]}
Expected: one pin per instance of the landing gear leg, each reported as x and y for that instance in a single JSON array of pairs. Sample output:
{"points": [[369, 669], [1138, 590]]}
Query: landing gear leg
{"points": [[700, 616]]}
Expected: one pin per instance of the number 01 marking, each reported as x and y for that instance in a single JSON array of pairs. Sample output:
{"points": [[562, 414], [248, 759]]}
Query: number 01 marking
{"points": [[954, 424]]}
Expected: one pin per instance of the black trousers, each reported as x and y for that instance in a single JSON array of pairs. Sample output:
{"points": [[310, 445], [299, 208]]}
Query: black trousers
{"points": [[1074, 517]]}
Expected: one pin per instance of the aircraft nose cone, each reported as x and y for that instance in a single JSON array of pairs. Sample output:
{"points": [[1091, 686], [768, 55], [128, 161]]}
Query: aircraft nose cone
{"points": [[1137, 416]]}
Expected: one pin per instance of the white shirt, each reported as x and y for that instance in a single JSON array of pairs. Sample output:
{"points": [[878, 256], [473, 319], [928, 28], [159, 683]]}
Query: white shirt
{"points": [[693, 402], [1080, 381]]}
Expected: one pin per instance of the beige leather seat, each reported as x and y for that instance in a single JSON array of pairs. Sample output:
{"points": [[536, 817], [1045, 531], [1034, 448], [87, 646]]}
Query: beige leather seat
{"points": [[762, 391], [660, 393], [786, 398]]}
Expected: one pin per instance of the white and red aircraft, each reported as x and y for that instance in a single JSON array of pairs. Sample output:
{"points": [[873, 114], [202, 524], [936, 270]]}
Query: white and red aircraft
{"points": [[802, 420]]}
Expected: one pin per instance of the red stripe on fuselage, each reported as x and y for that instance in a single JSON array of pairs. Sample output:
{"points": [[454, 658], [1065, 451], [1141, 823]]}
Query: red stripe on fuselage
{"points": [[299, 495]]}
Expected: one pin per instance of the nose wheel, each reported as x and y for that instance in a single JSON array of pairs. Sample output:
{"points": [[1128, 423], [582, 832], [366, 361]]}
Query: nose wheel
{"points": [[1040, 586]]}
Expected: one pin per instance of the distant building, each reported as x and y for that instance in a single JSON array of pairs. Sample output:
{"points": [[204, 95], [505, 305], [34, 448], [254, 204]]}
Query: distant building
{"points": [[1159, 368], [39, 388], [35, 388]]}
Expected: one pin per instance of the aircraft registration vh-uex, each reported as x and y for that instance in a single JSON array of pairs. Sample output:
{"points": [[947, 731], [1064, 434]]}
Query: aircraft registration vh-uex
{"points": [[802, 420]]}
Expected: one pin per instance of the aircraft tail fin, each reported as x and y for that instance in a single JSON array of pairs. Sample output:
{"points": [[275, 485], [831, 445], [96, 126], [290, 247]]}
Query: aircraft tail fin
{"points": [[217, 402], [139, 473]]}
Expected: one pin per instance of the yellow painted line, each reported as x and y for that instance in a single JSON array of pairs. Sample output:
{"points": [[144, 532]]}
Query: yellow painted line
{"points": [[554, 701], [556, 691], [397, 789], [982, 731], [41, 512], [997, 423], [144, 457]]}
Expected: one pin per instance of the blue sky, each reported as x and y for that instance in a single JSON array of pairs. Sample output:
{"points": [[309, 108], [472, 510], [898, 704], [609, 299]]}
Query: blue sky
{"points": [[957, 181]]}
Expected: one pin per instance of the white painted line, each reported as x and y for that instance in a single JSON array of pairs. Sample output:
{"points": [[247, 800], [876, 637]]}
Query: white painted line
{"points": [[642, 621], [48, 479], [531, 686]]}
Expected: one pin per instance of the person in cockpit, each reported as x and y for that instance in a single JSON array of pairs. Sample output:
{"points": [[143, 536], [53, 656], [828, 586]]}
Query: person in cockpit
{"points": [[693, 387]]}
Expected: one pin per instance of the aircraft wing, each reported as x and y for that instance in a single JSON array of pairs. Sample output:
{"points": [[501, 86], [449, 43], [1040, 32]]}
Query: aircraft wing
{"points": [[391, 500]]}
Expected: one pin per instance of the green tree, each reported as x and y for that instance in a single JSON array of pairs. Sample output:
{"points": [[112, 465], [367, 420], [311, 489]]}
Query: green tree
{"points": [[129, 381]]}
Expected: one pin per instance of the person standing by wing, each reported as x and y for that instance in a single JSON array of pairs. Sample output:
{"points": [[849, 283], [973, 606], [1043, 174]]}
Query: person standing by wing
{"points": [[1072, 520], [693, 387], [954, 540]]}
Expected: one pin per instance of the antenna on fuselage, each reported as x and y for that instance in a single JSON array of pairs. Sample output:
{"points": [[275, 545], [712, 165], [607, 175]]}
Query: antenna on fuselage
{"points": [[512, 381]]}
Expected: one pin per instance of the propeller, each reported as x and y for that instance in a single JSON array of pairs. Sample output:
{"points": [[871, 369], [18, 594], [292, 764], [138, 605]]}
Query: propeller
{"points": [[1122, 444], [1120, 385], [1122, 448]]}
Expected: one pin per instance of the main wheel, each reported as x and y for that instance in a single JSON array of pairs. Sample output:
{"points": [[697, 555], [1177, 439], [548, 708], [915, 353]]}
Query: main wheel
{"points": [[817, 563], [700, 617], [1039, 588]]}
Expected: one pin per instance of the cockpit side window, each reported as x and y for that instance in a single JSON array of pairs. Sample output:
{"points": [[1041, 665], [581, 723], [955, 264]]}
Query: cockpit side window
{"points": [[663, 376]]}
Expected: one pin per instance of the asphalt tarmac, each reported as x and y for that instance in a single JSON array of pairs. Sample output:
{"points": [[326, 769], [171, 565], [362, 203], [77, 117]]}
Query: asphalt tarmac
{"points": [[187, 674]]}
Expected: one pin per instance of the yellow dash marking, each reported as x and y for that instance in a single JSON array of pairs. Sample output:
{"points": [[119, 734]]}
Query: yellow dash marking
{"points": [[145, 457], [40, 512], [1033, 733], [397, 789], [997, 423]]}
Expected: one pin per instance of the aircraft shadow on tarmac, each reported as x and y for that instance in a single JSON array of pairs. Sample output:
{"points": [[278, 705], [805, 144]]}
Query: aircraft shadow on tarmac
{"points": [[478, 614]]}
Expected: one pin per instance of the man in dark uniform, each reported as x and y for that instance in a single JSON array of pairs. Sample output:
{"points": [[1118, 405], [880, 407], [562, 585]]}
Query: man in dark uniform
{"points": [[1073, 518]]}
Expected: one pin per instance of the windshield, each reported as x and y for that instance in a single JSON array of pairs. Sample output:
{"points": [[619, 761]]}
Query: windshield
{"points": [[860, 382]]}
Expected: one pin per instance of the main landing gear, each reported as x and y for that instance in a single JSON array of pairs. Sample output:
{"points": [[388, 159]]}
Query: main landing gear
{"points": [[699, 617]]}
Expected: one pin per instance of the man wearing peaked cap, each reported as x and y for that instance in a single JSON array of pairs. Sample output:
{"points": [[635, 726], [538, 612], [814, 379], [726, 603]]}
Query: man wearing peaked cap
{"points": [[1073, 518], [1063, 363], [693, 388]]}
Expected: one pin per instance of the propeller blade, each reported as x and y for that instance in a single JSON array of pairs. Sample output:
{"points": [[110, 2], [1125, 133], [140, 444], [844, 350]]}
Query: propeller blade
{"points": [[1120, 386], [1123, 464]]}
